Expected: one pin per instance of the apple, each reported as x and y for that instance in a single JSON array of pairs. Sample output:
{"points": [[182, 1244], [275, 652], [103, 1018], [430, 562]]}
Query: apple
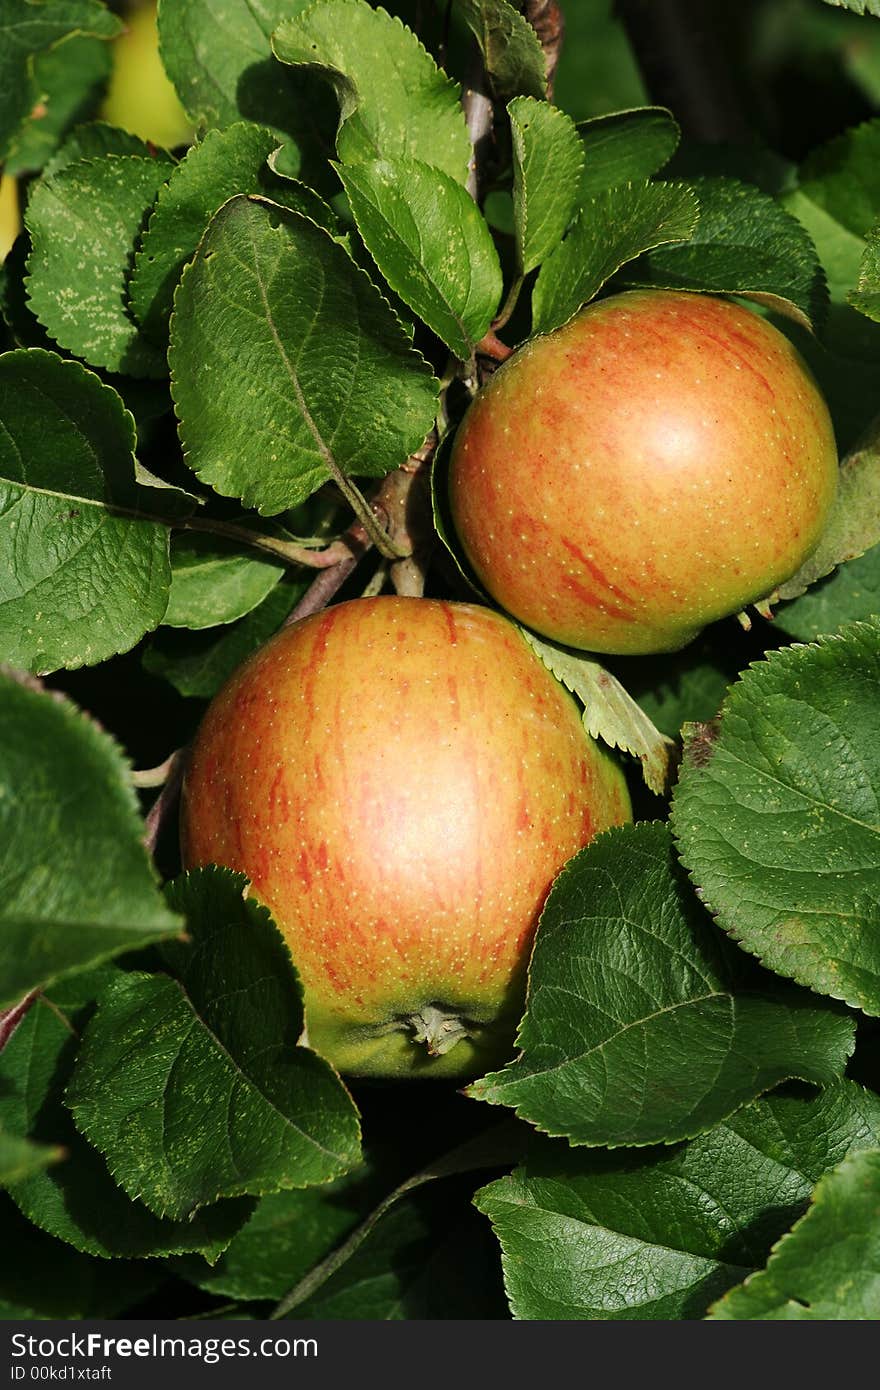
{"points": [[400, 779], [10, 215], [659, 462], [140, 98]]}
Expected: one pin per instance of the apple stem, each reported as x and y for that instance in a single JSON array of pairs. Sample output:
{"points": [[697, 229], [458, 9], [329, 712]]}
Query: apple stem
{"points": [[437, 1028]]}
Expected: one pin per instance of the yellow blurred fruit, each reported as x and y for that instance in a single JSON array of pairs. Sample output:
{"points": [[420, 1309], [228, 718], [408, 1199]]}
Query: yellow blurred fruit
{"points": [[10, 216], [140, 97]]}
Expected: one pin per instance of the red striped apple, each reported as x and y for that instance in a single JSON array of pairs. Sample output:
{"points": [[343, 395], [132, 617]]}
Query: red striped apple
{"points": [[658, 463], [401, 780]]}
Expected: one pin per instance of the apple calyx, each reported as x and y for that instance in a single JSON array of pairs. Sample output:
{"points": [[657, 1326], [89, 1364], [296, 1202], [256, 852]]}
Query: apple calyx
{"points": [[438, 1028]]}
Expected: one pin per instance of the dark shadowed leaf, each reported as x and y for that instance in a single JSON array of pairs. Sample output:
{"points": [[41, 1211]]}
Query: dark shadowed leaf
{"points": [[167, 1059], [639, 1027], [776, 814], [828, 1267], [658, 1234], [77, 1200], [77, 886]]}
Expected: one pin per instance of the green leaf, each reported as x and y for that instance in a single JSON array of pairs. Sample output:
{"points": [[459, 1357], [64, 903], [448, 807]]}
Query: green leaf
{"points": [[287, 1234], [681, 687], [547, 162], [47, 1279], [512, 53], [850, 595], [861, 7], [67, 85], [76, 886], [492, 1148], [220, 61], [843, 177], [853, 524], [164, 1059], [20, 1158], [625, 147], [93, 141], [287, 364], [609, 712], [225, 163], [828, 1267], [746, 244], [866, 295], [659, 1233], [394, 102], [78, 1201], [638, 1029], [198, 664], [776, 814], [84, 222], [82, 575], [213, 582], [28, 29], [429, 240], [611, 229], [427, 1259]]}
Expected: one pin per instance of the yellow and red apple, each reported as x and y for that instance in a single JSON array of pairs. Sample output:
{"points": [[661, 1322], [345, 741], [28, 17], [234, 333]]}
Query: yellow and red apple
{"points": [[661, 461], [401, 780]]}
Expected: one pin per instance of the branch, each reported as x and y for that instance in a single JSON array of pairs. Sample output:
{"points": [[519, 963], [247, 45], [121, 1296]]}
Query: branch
{"points": [[548, 22], [288, 551], [166, 800], [11, 1018], [325, 585], [408, 507], [681, 54], [477, 106]]}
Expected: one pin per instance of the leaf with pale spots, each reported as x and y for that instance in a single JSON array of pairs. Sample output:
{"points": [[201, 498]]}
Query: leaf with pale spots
{"points": [[226, 162], [609, 712], [547, 162], [287, 365], [614, 227], [429, 240], [214, 581], [744, 244], [394, 102], [642, 1025], [777, 820], [83, 574], [84, 222], [659, 1233], [194, 1091], [827, 1268]]}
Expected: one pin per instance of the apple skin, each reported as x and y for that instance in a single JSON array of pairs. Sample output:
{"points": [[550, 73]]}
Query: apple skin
{"points": [[10, 214], [400, 779], [140, 98], [657, 463]]}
